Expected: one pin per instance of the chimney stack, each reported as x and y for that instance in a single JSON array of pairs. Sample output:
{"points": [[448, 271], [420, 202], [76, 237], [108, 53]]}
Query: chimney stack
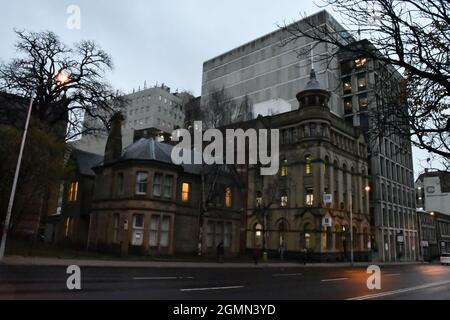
{"points": [[113, 150]]}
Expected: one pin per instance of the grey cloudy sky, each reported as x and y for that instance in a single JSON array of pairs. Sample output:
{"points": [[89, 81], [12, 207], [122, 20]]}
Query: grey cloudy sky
{"points": [[165, 41], [157, 41]]}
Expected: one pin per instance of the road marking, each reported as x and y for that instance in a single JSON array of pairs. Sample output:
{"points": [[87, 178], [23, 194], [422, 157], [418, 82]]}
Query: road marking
{"points": [[337, 279], [394, 292], [287, 274], [392, 274], [212, 288], [162, 278]]}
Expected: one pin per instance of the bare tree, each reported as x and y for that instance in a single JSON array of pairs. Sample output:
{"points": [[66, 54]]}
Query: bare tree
{"points": [[413, 36], [69, 82], [219, 110]]}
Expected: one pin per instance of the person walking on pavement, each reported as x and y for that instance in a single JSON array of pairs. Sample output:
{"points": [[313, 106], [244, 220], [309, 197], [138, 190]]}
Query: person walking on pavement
{"points": [[220, 252]]}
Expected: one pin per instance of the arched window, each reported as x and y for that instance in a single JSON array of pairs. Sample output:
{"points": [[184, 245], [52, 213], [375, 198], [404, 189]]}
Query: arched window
{"points": [[308, 236], [258, 231], [308, 166]]}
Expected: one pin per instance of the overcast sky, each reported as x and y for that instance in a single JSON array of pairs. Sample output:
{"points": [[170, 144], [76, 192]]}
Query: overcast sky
{"points": [[157, 41]]}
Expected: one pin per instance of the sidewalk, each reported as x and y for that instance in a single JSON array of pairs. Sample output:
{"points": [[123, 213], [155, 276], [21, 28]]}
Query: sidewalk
{"points": [[40, 261]]}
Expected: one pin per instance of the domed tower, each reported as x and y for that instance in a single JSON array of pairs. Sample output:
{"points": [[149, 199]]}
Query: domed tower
{"points": [[313, 95]]}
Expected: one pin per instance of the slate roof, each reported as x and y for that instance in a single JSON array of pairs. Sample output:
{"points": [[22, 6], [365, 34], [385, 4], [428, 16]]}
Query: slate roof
{"points": [[86, 161], [150, 149]]}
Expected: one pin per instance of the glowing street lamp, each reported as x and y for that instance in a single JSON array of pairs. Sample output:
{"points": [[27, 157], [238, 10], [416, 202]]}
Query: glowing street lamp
{"points": [[62, 78]]}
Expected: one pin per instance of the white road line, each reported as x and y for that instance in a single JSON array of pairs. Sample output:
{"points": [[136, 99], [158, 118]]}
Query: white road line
{"points": [[392, 274], [162, 278], [287, 275], [212, 288], [337, 279], [394, 292]]}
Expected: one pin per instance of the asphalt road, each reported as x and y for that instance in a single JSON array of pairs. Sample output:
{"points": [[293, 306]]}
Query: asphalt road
{"points": [[422, 282]]}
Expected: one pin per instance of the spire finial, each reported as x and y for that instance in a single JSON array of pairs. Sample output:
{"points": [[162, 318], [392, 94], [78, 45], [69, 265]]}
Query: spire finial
{"points": [[312, 75]]}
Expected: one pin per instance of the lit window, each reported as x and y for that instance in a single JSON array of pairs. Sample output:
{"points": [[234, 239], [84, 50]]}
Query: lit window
{"points": [[308, 168], [185, 188], [73, 192], [228, 197], [284, 201], [348, 106], [157, 180], [141, 182], [363, 102], [284, 169], [362, 83], [309, 197], [360, 62], [68, 227], [347, 85]]}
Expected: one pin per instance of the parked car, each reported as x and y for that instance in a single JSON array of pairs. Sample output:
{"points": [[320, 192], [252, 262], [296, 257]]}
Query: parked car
{"points": [[445, 259]]}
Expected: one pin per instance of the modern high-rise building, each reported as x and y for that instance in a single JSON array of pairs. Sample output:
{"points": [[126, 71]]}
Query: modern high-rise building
{"points": [[155, 110], [264, 70]]}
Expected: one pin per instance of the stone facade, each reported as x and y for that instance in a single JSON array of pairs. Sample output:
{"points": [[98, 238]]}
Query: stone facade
{"points": [[321, 156], [144, 204]]}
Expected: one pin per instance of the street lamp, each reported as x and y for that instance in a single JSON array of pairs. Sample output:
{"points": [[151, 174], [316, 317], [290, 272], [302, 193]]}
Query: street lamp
{"points": [[260, 208], [61, 78]]}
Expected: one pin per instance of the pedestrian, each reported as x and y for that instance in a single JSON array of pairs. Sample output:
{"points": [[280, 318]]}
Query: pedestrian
{"points": [[220, 252], [256, 254]]}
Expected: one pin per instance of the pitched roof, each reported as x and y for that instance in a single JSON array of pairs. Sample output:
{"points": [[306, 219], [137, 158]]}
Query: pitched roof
{"points": [[86, 161], [150, 149]]}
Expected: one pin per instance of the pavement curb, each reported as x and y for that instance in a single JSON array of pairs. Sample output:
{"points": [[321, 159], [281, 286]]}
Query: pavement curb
{"points": [[55, 262]]}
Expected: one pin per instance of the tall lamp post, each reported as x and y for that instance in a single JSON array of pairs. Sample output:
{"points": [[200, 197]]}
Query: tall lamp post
{"points": [[62, 79], [260, 208], [14, 186]]}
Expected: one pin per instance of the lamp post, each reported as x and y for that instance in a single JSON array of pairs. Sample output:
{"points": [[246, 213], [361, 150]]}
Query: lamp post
{"points": [[62, 79], [260, 208], [14, 186], [438, 245]]}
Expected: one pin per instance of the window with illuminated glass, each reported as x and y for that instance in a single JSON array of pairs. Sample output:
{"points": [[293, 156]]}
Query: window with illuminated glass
{"points": [[363, 102], [284, 169], [360, 62], [72, 193], [185, 191], [228, 197], [284, 200], [347, 85], [309, 197], [362, 82], [308, 166]]}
